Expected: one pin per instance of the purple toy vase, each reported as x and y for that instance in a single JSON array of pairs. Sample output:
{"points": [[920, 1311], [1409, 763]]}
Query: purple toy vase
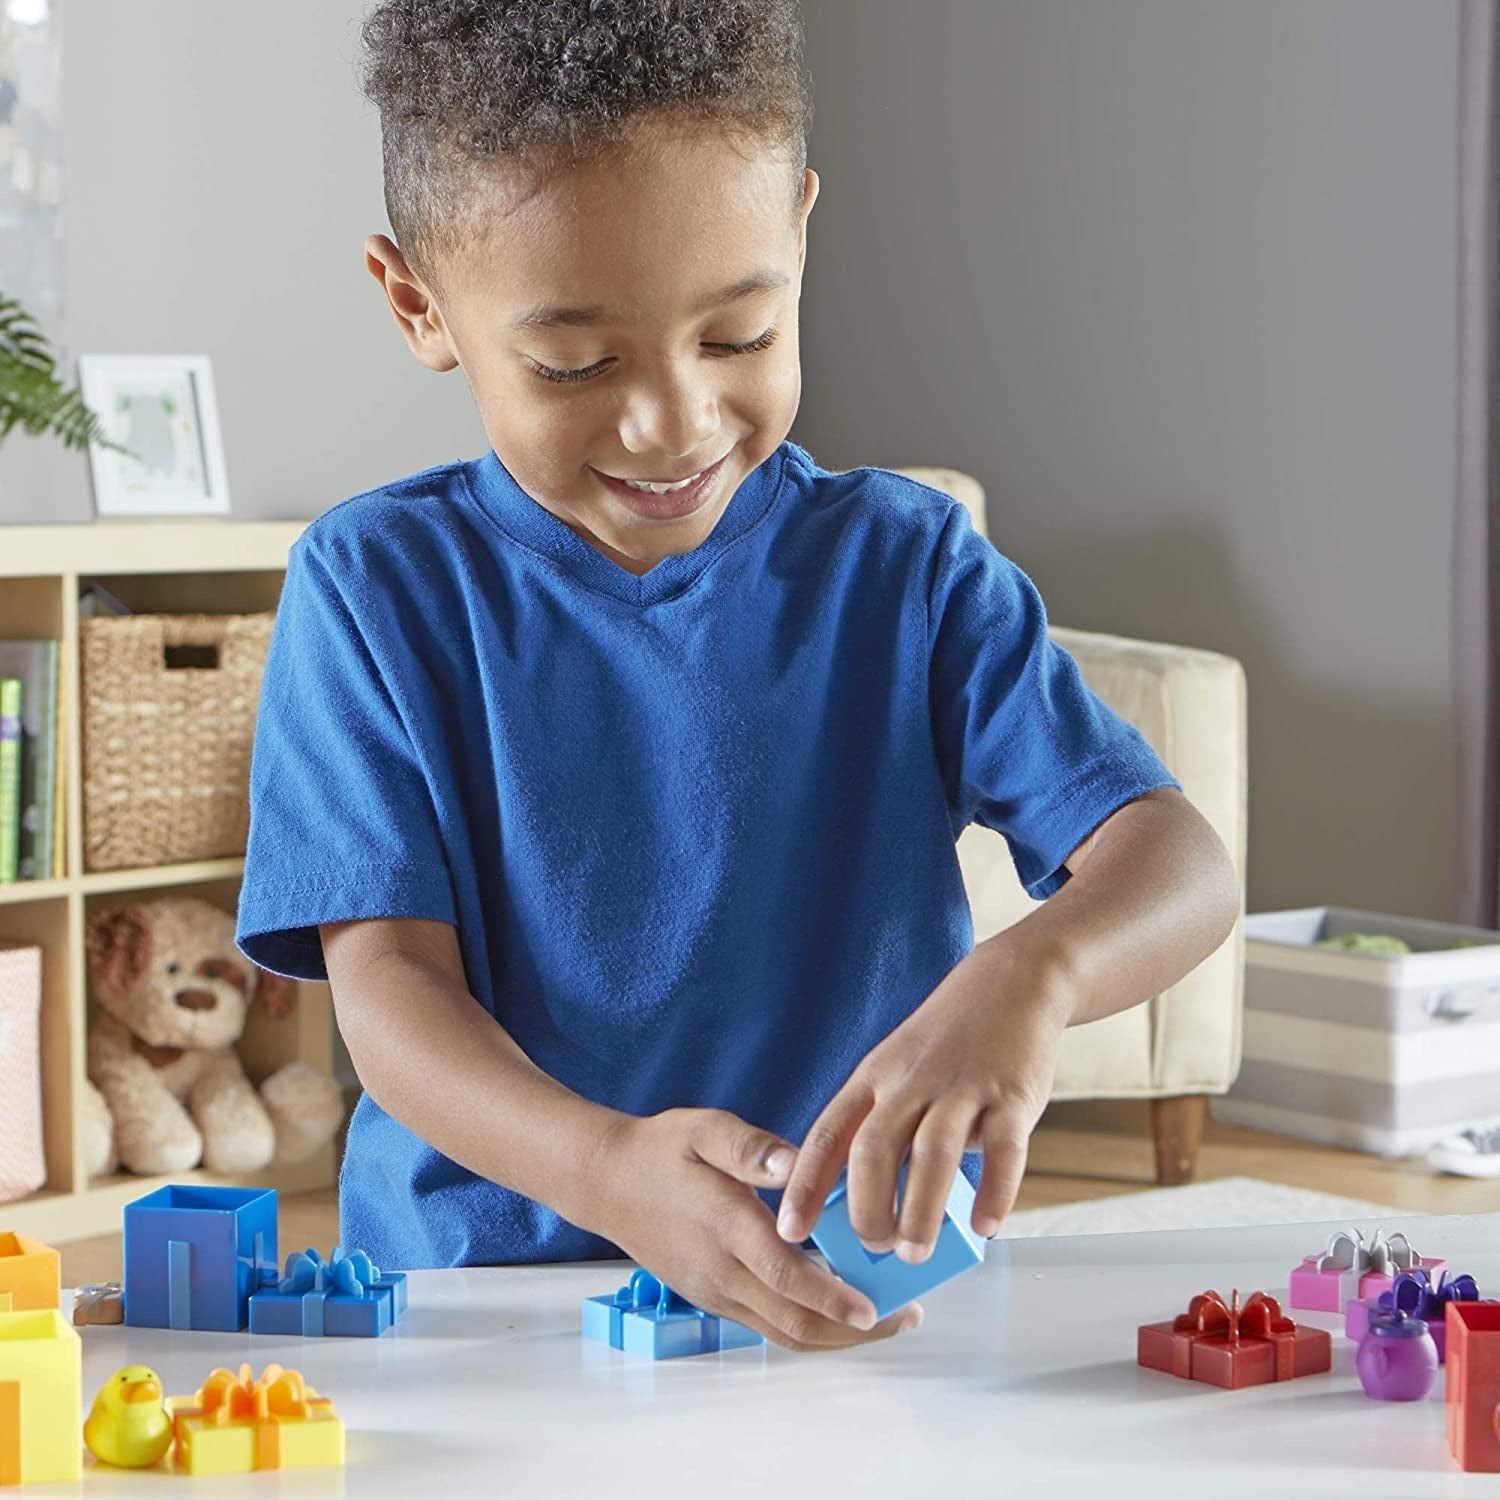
{"points": [[1397, 1359]]}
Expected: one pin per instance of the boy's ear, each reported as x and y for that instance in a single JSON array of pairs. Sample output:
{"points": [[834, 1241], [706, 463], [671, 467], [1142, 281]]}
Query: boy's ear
{"points": [[810, 185], [412, 306]]}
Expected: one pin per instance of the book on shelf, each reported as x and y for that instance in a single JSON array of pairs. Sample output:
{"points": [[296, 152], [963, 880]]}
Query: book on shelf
{"points": [[29, 792], [10, 778], [60, 770]]}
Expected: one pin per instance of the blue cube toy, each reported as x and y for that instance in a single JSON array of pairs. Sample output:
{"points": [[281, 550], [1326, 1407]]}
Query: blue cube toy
{"points": [[648, 1318], [346, 1297], [194, 1255], [889, 1282]]}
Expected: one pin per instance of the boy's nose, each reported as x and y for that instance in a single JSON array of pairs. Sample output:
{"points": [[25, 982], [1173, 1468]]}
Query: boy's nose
{"points": [[196, 999]]}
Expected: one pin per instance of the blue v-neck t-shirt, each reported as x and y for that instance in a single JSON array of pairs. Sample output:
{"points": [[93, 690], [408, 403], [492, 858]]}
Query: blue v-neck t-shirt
{"points": [[695, 827]]}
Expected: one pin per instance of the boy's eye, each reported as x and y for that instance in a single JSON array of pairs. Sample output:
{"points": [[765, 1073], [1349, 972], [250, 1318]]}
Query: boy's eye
{"points": [[587, 372]]}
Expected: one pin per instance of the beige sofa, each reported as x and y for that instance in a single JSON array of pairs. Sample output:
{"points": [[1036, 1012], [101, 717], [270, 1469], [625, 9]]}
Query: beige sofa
{"points": [[1185, 1044]]}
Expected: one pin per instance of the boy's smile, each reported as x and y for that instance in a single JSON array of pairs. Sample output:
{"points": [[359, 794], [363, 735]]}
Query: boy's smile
{"points": [[633, 319]]}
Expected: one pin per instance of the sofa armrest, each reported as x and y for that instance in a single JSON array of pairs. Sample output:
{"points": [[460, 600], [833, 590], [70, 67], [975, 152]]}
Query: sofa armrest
{"points": [[1190, 705]]}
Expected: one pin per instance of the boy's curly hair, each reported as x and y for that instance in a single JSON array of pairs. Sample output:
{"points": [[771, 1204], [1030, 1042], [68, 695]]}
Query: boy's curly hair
{"points": [[466, 86]]}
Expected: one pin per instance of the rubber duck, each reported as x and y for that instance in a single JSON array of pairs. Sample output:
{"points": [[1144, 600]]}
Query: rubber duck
{"points": [[128, 1425]]}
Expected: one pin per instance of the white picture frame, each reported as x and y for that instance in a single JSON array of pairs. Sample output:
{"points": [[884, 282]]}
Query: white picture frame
{"points": [[163, 407]]}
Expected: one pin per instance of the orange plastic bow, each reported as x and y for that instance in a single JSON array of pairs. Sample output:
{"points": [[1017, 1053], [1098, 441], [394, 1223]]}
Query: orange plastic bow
{"points": [[278, 1393]]}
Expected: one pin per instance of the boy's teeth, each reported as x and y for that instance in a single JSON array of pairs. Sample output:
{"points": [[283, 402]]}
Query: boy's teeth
{"points": [[659, 489]]}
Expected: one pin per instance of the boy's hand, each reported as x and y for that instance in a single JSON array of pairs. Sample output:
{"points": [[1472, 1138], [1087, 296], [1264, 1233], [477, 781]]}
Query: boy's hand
{"points": [[972, 1066], [680, 1200]]}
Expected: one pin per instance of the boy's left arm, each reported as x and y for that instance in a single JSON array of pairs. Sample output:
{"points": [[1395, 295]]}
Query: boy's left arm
{"points": [[1152, 892]]}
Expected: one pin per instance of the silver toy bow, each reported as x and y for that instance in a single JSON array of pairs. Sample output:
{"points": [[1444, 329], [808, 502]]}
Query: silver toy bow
{"points": [[1353, 1258], [99, 1303]]}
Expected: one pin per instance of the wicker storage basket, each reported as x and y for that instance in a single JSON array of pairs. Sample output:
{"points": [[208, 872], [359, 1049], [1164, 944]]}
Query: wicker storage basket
{"points": [[23, 1168], [166, 744]]}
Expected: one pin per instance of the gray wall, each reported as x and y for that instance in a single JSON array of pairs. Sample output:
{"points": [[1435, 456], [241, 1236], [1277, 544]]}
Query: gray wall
{"points": [[1173, 278]]}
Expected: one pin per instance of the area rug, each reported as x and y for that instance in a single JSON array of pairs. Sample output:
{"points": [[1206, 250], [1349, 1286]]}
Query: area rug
{"points": [[1196, 1205]]}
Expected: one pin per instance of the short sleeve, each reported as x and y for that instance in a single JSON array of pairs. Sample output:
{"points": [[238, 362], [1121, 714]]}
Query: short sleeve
{"points": [[342, 823], [1025, 747]]}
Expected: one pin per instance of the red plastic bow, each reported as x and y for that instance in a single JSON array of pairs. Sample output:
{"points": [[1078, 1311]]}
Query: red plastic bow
{"points": [[1260, 1318]]}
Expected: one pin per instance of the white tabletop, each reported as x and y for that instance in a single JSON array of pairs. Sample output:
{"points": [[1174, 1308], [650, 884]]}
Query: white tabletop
{"points": [[1023, 1376]]}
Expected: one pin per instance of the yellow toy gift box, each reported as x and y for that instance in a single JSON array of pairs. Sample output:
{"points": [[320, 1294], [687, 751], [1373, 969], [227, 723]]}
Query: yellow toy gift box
{"points": [[41, 1380], [237, 1423]]}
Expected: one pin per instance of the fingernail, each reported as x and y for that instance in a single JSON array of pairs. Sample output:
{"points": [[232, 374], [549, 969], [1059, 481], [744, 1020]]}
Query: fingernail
{"points": [[988, 1227], [786, 1223], [864, 1320], [779, 1163], [911, 1252], [912, 1321]]}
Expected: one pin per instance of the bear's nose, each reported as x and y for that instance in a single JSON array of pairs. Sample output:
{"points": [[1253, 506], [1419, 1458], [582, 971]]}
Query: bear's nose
{"points": [[196, 999]]}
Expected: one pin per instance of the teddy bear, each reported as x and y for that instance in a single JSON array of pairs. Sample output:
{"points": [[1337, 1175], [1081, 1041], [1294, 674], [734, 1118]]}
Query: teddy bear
{"points": [[169, 1091]]}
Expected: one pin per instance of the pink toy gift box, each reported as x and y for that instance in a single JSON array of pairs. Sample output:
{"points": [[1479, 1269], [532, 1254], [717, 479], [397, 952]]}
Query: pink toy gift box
{"points": [[23, 1168], [1353, 1267]]}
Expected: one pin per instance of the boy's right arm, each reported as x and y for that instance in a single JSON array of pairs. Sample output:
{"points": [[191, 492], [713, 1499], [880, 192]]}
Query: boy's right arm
{"points": [[674, 1190]]}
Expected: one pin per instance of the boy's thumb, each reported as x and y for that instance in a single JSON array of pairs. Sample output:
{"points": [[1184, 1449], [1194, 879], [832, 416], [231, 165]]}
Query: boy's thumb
{"points": [[743, 1151]]}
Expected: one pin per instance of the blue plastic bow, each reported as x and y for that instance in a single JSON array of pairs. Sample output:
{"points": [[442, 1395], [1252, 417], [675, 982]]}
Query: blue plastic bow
{"points": [[1415, 1294], [644, 1293], [350, 1275]]}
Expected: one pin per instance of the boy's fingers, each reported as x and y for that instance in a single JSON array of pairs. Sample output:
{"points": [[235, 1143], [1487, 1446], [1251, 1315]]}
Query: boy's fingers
{"points": [[741, 1150], [793, 1326], [875, 1156], [788, 1273], [819, 1161], [936, 1152], [1005, 1140]]}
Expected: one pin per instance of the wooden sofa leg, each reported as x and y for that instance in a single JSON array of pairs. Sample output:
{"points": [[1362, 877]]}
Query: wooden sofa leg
{"points": [[1177, 1125]]}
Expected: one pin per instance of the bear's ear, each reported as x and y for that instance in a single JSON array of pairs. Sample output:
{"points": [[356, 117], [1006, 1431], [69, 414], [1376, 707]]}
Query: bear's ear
{"points": [[274, 993], [119, 947]]}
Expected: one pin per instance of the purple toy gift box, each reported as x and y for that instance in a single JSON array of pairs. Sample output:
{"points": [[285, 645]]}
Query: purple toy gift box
{"points": [[1415, 1294], [1355, 1268]]}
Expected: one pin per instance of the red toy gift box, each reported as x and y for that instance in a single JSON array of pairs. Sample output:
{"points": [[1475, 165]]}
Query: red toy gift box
{"points": [[1474, 1384], [1233, 1346]]}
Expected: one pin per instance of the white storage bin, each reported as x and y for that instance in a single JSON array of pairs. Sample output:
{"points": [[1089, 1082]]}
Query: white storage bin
{"points": [[23, 1168], [1386, 1055]]}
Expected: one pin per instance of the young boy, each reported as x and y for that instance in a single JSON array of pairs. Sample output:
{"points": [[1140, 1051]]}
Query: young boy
{"points": [[622, 819]]}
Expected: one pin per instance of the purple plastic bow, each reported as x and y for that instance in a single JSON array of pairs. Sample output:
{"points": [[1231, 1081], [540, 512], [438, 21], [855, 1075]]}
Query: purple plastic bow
{"points": [[351, 1275], [1415, 1294]]}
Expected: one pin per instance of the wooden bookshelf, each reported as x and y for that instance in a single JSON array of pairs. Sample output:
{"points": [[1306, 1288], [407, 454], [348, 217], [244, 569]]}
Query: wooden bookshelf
{"points": [[171, 567]]}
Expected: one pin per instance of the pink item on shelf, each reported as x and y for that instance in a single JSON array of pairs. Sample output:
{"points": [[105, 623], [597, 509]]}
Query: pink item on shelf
{"points": [[1353, 1267], [23, 1168]]}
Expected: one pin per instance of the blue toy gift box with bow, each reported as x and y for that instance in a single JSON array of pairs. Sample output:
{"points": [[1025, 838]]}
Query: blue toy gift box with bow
{"points": [[344, 1297], [648, 1318]]}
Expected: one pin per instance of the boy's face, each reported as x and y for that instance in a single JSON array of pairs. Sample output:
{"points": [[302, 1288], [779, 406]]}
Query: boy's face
{"points": [[644, 239]]}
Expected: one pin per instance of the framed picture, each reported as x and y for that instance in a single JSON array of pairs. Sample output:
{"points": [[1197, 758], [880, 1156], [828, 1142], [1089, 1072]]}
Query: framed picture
{"points": [[162, 408]]}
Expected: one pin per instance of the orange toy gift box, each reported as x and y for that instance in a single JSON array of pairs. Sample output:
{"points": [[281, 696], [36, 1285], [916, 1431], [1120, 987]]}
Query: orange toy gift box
{"points": [[30, 1274], [1474, 1384], [1234, 1346]]}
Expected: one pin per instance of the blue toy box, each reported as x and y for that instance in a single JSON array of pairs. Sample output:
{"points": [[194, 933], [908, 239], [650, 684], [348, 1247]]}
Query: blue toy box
{"points": [[889, 1282], [194, 1255]]}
